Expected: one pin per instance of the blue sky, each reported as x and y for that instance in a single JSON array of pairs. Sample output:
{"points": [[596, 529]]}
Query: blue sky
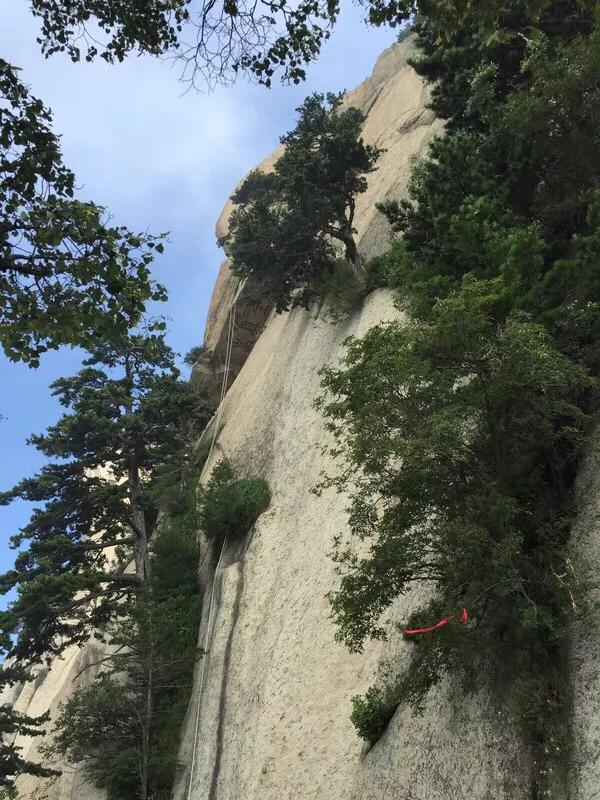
{"points": [[160, 159]]}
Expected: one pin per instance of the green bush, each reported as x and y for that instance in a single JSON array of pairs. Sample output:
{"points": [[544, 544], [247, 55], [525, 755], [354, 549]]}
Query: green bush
{"points": [[229, 506], [339, 291], [389, 269], [372, 712]]}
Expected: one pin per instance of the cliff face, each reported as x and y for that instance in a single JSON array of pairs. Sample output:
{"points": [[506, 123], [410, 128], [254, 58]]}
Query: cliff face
{"points": [[53, 685], [273, 720], [269, 717], [393, 99], [269, 714]]}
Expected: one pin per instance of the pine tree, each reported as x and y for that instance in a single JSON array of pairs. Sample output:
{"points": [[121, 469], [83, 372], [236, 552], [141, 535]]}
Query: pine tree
{"points": [[123, 729], [13, 724], [281, 237], [128, 432]]}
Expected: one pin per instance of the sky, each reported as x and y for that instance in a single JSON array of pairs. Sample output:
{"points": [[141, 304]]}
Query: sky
{"points": [[160, 159]]}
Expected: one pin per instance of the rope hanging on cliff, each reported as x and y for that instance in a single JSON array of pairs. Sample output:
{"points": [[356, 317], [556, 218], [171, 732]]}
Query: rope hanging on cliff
{"points": [[219, 411], [211, 607], [207, 638], [463, 618]]}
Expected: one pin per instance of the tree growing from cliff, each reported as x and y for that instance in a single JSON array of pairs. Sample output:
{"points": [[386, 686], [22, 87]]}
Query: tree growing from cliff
{"points": [[124, 442], [66, 275], [466, 426], [281, 236]]}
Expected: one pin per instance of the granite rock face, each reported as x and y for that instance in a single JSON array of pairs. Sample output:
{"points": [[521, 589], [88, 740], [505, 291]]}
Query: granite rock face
{"points": [[269, 713], [394, 101], [77, 667], [272, 696], [269, 716]]}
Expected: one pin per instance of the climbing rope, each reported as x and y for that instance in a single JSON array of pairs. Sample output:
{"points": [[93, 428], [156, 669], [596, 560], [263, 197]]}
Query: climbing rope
{"points": [[207, 638], [463, 618], [211, 608], [219, 411]]}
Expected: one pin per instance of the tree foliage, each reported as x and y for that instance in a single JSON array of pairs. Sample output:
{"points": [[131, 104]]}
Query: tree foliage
{"points": [[228, 505], [467, 430], [127, 434], [67, 276], [124, 727], [281, 237], [466, 426], [216, 41]]}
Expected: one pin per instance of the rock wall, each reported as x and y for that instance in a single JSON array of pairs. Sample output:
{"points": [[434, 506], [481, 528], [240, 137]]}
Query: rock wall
{"points": [[275, 700], [269, 717], [77, 667], [269, 714], [394, 101]]}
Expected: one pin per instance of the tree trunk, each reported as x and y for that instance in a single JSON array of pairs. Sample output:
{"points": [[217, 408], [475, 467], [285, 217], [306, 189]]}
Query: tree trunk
{"points": [[140, 545], [345, 236], [142, 571], [138, 516], [359, 269], [147, 724], [352, 255]]}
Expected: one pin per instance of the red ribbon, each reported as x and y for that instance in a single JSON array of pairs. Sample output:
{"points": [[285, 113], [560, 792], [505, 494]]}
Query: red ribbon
{"points": [[463, 618]]}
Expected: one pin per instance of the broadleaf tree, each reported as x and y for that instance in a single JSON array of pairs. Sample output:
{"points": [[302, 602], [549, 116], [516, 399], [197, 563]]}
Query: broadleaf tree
{"points": [[216, 41], [67, 275]]}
